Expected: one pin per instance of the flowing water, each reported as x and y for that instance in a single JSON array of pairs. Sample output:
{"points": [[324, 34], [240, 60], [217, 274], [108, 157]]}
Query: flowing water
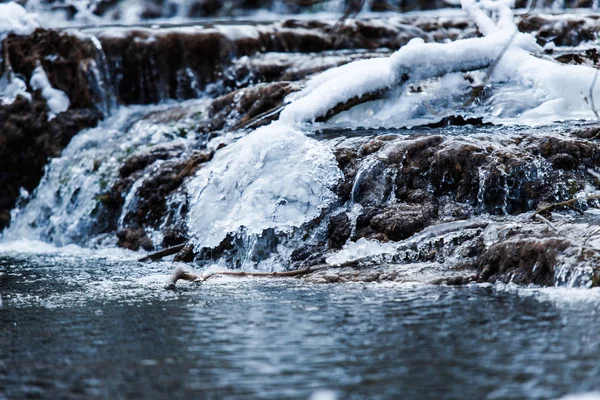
{"points": [[101, 326]]}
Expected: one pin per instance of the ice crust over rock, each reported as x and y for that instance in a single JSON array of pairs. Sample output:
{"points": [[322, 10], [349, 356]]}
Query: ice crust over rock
{"points": [[275, 177]]}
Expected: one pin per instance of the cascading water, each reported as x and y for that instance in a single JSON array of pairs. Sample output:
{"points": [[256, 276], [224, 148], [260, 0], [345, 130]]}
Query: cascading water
{"points": [[270, 189]]}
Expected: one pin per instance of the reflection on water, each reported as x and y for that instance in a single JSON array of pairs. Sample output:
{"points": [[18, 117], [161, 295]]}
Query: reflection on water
{"points": [[109, 330]]}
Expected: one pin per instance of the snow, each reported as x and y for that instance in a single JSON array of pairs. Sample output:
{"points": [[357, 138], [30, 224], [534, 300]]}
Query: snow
{"points": [[415, 61], [15, 19], [275, 177], [582, 396], [10, 90], [525, 88], [57, 100]]}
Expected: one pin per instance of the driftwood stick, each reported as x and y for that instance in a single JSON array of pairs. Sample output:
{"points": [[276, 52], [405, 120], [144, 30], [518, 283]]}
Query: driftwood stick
{"points": [[182, 274], [297, 272], [163, 253], [568, 203]]}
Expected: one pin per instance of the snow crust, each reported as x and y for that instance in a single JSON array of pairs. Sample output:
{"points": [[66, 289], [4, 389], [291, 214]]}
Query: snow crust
{"points": [[15, 19], [525, 87], [57, 100]]}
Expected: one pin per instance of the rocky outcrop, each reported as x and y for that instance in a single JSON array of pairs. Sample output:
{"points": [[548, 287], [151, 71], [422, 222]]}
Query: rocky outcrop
{"points": [[28, 137]]}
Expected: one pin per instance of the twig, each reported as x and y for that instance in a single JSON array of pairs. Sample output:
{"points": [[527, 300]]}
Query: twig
{"points": [[253, 122], [592, 104], [544, 220], [568, 203], [352, 9], [163, 253], [552, 207], [182, 274]]}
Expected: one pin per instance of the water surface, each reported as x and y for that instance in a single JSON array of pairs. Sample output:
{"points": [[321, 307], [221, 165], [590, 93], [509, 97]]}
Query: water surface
{"points": [[89, 326]]}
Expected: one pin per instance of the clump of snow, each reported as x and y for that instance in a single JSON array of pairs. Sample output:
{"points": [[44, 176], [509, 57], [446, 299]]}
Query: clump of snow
{"points": [[57, 100], [10, 90], [275, 177], [15, 19]]}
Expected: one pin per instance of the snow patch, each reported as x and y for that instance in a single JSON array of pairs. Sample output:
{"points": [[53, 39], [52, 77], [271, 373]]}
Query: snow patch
{"points": [[9, 91], [57, 100], [15, 19]]}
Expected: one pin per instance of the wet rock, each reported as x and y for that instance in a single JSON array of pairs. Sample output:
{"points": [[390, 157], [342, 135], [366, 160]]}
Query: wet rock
{"points": [[522, 261], [307, 256], [149, 65], [243, 105], [28, 140], [570, 31], [71, 62], [339, 230], [401, 221], [134, 239], [150, 207]]}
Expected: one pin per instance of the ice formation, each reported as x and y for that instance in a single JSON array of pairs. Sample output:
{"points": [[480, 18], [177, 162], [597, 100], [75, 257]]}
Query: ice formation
{"points": [[57, 100], [275, 177]]}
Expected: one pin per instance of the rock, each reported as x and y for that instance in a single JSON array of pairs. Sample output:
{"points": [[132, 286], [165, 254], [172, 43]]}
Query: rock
{"points": [[27, 137], [134, 239], [522, 261], [28, 140], [72, 63], [401, 221], [339, 230]]}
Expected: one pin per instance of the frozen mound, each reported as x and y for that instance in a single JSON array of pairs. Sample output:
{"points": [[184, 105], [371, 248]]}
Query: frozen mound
{"points": [[275, 177]]}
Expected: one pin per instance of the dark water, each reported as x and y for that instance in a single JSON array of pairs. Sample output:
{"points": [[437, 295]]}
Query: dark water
{"points": [[83, 326]]}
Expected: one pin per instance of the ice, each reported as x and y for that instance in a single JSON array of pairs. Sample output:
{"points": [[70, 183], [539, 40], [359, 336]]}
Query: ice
{"points": [[360, 249], [15, 19], [275, 177], [582, 396], [57, 100]]}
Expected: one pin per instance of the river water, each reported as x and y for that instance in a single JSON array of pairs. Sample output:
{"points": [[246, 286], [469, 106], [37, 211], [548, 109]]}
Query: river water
{"points": [[81, 325]]}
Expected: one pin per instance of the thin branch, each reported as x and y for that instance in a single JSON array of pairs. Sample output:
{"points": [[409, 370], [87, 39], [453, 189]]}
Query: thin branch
{"points": [[182, 274], [569, 203], [163, 253], [544, 220], [592, 104]]}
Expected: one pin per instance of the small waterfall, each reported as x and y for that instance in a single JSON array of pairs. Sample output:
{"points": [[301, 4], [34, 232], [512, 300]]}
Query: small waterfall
{"points": [[67, 206]]}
